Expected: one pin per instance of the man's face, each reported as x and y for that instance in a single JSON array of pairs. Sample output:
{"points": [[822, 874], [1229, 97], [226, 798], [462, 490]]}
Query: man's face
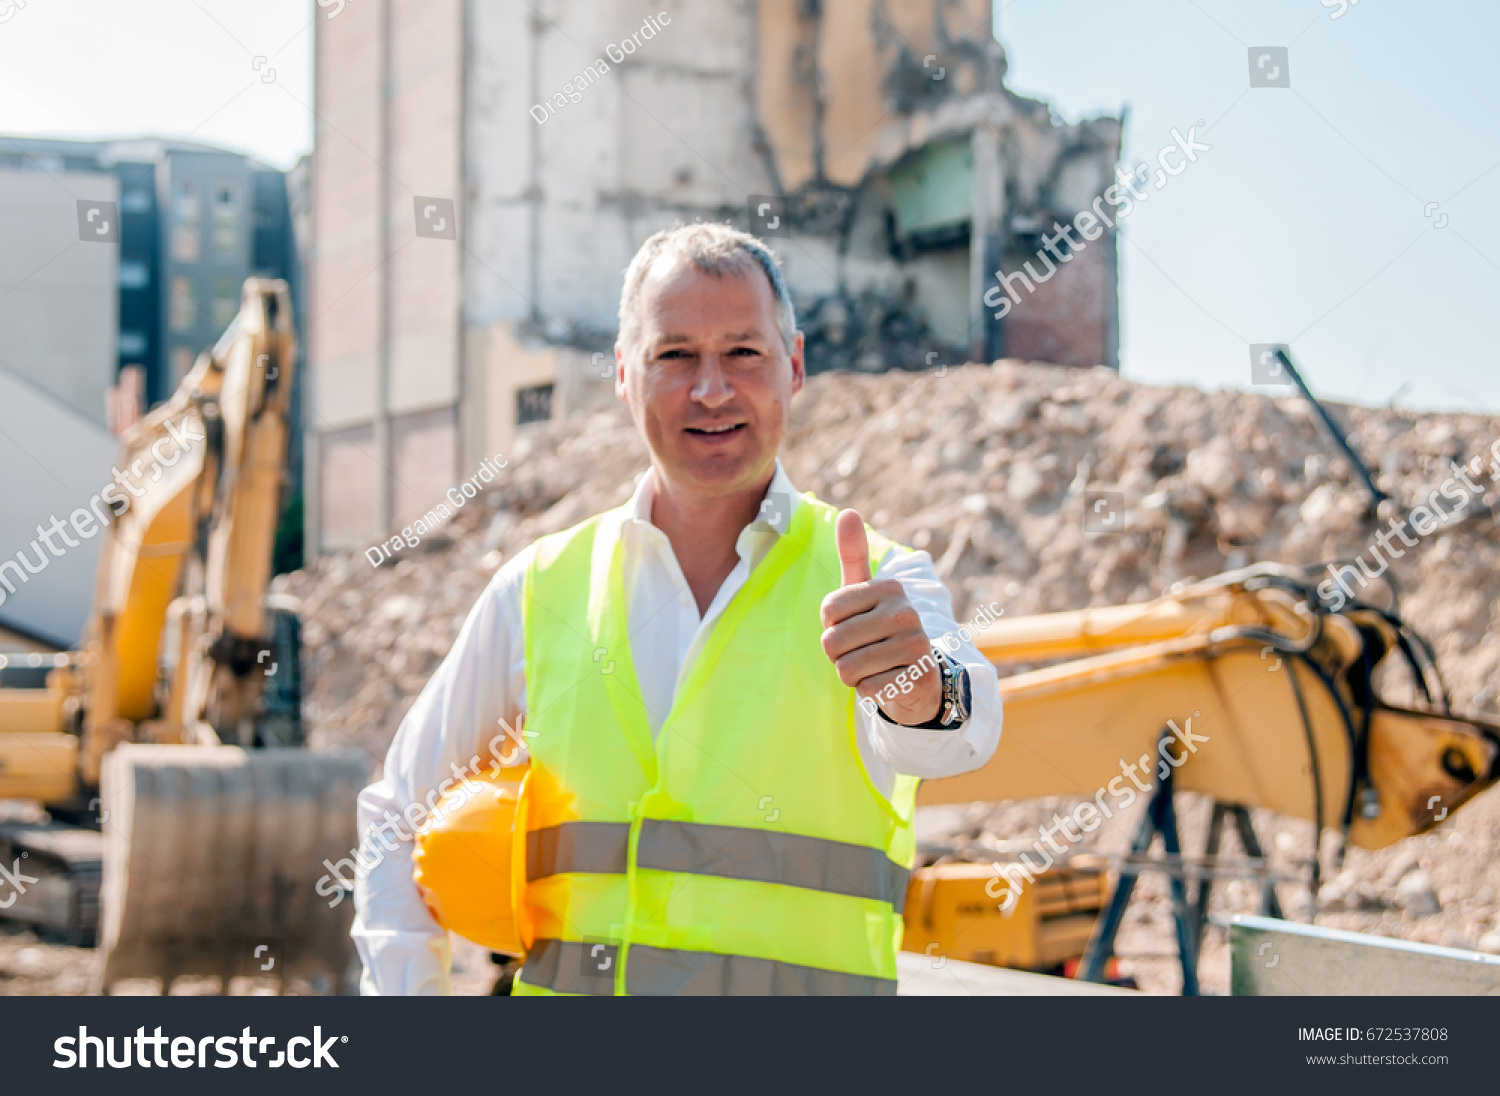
{"points": [[707, 377]]}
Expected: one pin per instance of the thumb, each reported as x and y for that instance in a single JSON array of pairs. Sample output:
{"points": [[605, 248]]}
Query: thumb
{"points": [[854, 548]]}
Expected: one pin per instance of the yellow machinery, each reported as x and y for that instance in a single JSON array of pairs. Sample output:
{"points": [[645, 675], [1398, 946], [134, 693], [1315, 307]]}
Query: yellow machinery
{"points": [[951, 912], [1285, 690], [1246, 688], [177, 724]]}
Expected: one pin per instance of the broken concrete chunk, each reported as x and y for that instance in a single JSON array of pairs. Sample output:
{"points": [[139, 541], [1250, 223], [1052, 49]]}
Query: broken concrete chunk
{"points": [[1415, 895]]}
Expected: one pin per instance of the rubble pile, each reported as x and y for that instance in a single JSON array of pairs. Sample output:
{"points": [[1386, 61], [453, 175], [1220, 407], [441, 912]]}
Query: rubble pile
{"points": [[985, 467]]}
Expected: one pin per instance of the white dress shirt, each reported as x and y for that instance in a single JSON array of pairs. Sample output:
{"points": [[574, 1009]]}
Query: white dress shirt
{"points": [[483, 680]]}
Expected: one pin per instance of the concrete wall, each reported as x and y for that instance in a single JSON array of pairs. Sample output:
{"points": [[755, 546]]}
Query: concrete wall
{"points": [[568, 132], [556, 207], [59, 304], [384, 339]]}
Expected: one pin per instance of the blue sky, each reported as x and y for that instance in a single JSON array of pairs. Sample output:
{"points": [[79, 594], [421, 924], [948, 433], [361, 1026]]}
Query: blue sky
{"points": [[1305, 223]]}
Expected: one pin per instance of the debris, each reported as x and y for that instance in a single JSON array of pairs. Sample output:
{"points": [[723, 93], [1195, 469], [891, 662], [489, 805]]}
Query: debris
{"points": [[984, 467], [1415, 894], [1405, 861]]}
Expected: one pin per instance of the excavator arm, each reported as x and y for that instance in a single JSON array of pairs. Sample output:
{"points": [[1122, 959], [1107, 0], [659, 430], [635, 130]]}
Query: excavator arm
{"points": [[209, 467], [1270, 698], [1246, 688]]}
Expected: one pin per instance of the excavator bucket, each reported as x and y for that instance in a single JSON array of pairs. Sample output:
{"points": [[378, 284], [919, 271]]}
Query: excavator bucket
{"points": [[212, 857]]}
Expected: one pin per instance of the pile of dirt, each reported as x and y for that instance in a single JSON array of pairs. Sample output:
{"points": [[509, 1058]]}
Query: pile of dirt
{"points": [[986, 468]]}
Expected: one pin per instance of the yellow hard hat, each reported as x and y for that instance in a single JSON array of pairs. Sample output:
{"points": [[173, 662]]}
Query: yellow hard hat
{"points": [[470, 860]]}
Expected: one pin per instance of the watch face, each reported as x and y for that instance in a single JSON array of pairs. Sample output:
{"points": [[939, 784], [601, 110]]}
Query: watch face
{"points": [[955, 692]]}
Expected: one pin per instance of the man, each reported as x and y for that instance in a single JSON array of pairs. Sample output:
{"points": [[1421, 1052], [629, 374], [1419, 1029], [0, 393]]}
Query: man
{"points": [[709, 808]]}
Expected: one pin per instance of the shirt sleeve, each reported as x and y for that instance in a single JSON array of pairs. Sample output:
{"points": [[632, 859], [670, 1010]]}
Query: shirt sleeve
{"points": [[453, 721], [890, 748]]}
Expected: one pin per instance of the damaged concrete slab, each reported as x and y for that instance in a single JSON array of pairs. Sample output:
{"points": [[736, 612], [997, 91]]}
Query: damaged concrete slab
{"points": [[891, 134]]}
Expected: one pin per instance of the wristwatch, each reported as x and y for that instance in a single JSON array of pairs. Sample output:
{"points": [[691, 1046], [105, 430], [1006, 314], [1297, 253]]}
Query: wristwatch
{"points": [[956, 695]]}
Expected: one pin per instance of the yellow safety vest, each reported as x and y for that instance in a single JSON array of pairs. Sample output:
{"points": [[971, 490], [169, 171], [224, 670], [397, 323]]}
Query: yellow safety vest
{"points": [[746, 851]]}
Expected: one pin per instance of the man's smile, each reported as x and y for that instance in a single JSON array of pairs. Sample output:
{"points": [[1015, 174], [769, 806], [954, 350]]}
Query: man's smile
{"points": [[717, 432]]}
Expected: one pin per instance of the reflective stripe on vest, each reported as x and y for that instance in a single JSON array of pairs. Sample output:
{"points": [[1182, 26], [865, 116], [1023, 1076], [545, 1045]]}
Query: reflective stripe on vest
{"points": [[567, 966], [577, 847], [733, 852]]}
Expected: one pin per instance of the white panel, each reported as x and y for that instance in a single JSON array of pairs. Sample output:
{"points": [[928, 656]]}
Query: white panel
{"points": [[59, 297], [55, 461], [424, 369]]}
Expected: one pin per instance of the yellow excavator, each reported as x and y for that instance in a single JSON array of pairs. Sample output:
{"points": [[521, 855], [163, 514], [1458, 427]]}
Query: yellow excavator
{"points": [[187, 818], [1249, 688]]}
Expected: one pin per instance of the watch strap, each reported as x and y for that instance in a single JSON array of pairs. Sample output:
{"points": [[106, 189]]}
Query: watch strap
{"points": [[954, 675]]}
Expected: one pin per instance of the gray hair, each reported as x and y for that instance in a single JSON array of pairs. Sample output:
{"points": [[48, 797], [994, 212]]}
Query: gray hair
{"points": [[716, 249]]}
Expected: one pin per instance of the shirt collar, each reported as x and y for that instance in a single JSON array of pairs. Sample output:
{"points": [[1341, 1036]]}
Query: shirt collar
{"points": [[776, 509]]}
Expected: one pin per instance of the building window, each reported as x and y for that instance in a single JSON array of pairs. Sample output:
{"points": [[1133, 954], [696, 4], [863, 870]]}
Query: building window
{"points": [[134, 274], [132, 344], [534, 404], [225, 304], [185, 242], [184, 308], [185, 204], [226, 221]]}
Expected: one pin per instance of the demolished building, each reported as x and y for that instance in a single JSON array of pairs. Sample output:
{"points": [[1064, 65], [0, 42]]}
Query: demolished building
{"points": [[484, 171]]}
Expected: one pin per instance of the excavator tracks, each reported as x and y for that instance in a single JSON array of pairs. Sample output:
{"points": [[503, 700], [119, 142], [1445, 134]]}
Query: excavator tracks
{"points": [[50, 879]]}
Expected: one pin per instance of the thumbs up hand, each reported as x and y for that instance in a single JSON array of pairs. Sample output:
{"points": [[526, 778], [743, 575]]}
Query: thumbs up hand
{"points": [[874, 637]]}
